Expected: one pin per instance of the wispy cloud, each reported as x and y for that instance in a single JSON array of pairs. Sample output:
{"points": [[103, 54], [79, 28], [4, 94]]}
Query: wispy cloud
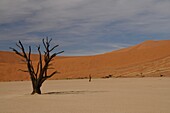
{"points": [[83, 24]]}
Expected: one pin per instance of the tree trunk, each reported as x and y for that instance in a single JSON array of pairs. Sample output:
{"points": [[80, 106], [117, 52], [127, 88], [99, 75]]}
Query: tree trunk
{"points": [[36, 88]]}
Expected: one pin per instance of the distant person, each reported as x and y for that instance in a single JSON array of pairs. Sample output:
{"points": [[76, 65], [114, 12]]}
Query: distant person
{"points": [[90, 78]]}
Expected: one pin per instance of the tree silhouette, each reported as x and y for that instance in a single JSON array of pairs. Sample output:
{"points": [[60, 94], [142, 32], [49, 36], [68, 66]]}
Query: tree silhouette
{"points": [[39, 74]]}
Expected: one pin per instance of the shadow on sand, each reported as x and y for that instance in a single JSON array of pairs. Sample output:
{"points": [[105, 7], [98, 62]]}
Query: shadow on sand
{"points": [[71, 92]]}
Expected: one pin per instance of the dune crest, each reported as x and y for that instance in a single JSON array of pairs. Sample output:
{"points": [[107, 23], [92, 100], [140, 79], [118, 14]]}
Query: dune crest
{"points": [[150, 58]]}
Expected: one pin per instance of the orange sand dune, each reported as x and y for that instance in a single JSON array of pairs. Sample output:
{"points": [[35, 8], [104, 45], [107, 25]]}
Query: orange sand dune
{"points": [[150, 58]]}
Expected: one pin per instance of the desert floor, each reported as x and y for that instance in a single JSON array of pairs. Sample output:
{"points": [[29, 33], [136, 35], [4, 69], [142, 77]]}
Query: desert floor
{"points": [[114, 95]]}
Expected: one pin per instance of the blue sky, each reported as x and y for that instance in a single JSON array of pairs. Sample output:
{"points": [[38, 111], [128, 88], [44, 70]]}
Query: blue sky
{"points": [[84, 27]]}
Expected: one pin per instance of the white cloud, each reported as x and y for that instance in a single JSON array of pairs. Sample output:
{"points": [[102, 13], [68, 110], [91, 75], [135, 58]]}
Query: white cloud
{"points": [[44, 15], [113, 45]]}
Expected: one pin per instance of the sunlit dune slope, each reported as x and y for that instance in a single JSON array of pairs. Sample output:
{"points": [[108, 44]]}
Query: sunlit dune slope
{"points": [[150, 58]]}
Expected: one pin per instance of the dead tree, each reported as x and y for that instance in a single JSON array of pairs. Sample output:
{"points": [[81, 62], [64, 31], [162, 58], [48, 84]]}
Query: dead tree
{"points": [[39, 74]]}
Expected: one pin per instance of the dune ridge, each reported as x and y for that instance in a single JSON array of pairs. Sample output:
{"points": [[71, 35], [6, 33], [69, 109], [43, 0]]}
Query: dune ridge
{"points": [[149, 58]]}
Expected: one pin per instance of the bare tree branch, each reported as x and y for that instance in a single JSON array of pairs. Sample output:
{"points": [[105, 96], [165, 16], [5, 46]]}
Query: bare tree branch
{"points": [[18, 53], [60, 52], [50, 40], [38, 66], [29, 55], [51, 74], [18, 46], [53, 48], [23, 70], [23, 50]]}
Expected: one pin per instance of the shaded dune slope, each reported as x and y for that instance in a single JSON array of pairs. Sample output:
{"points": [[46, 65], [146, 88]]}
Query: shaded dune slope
{"points": [[150, 58]]}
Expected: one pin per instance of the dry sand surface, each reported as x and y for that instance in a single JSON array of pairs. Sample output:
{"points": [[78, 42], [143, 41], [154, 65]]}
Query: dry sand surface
{"points": [[114, 95]]}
